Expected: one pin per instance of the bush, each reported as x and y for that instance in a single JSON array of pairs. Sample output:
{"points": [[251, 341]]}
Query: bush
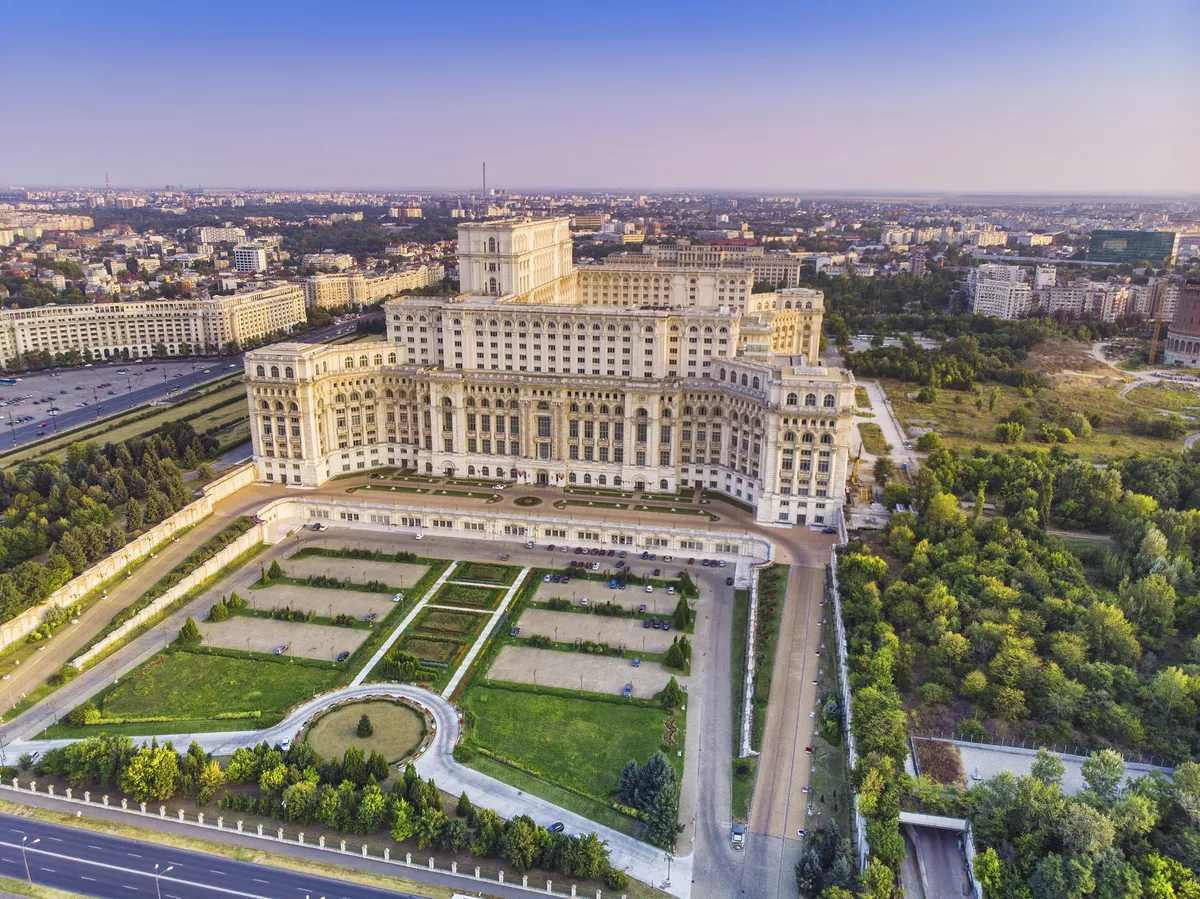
{"points": [[343, 620], [615, 879], [540, 641], [189, 633], [364, 728], [275, 571], [219, 612], [235, 601], [83, 714], [927, 395], [463, 754], [558, 604], [928, 442], [1010, 432]]}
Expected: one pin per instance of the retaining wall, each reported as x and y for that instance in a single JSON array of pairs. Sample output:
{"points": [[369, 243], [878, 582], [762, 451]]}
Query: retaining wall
{"points": [[252, 537], [858, 825]]}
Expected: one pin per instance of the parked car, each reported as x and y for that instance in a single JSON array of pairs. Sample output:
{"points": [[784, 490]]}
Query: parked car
{"points": [[612, 585], [656, 624], [529, 544], [828, 530], [556, 827], [737, 837], [622, 554], [721, 563], [550, 548], [728, 582], [343, 655], [657, 572], [398, 597], [670, 591], [546, 579], [514, 632], [499, 486], [666, 625], [585, 601], [645, 621], [642, 609], [316, 526], [649, 589], [280, 650], [503, 557], [419, 537], [628, 691], [637, 663]]}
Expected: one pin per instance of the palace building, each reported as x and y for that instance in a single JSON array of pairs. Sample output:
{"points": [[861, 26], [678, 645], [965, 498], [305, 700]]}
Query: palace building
{"points": [[538, 373]]}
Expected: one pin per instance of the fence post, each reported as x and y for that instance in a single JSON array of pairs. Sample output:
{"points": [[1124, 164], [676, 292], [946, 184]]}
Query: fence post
{"points": [[260, 833], [143, 808], [220, 822], [300, 838], [280, 834], [87, 794], [500, 877], [321, 842], [200, 818], [180, 812], [124, 805], [239, 827], [343, 846], [453, 867], [68, 792], [387, 854], [50, 789]]}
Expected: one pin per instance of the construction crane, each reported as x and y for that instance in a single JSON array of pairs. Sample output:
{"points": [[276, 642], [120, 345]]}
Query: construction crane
{"points": [[1158, 318]]}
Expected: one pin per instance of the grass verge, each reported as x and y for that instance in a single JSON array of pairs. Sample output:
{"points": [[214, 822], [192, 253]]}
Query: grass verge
{"points": [[737, 663], [771, 580], [872, 438], [743, 787]]}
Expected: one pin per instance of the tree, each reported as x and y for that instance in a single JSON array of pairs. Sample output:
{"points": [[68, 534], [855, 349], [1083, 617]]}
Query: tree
{"points": [[1048, 768], [518, 843], [151, 774], [672, 697], [69, 547], [429, 826], [662, 819], [404, 821], [682, 616], [1102, 772], [464, 809], [300, 802], [218, 612], [275, 571], [134, 517], [883, 470], [209, 781], [189, 633], [456, 836], [364, 728], [372, 809]]}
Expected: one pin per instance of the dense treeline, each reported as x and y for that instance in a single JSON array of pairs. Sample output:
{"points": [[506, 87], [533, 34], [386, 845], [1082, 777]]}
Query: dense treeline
{"points": [[1001, 631], [62, 515], [1140, 840], [299, 786]]}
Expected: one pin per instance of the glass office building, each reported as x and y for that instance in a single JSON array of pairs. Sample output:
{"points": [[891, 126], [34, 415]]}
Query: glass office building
{"points": [[1133, 246]]}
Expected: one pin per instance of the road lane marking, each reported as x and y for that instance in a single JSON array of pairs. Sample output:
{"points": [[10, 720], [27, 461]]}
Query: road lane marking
{"points": [[51, 870], [257, 880], [133, 855], [54, 839], [85, 877]]}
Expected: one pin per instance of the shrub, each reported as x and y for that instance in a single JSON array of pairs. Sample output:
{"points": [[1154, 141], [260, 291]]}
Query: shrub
{"points": [[364, 728], [189, 633], [235, 601], [928, 442], [540, 641], [558, 604], [219, 612], [927, 395], [343, 620], [83, 714], [463, 754], [275, 571], [615, 879]]}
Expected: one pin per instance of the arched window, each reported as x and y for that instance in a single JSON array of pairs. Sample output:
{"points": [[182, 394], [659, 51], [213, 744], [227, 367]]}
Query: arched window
{"points": [[662, 485], [617, 480], [391, 358], [278, 406], [642, 413], [261, 371], [446, 401], [574, 407], [292, 407], [389, 394], [755, 384], [827, 438], [274, 371], [601, 480], [493, 287], [666, 413], [543, 406], [379, 359], [486, 471], [807, 438], [491, 246], [745, 381], [428, 468], [470, 402], [288, 372], [265, 406], [792, 399], [571, 477], [789, 437], [810, 399], [830, 400], [587, 479], [470, 471], [349, 362]]}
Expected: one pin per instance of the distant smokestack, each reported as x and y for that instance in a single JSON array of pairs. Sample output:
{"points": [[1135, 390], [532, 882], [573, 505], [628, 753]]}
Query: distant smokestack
{"points": [[485, 180]]}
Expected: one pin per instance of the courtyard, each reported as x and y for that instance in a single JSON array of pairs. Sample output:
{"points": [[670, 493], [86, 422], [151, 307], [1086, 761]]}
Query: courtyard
{"points": [[264, 635], [579, 671]]}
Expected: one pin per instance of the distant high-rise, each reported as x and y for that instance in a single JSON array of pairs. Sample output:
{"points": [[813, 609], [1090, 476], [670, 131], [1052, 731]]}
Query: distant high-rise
{"points": [[1159, 247], [250, 258]]}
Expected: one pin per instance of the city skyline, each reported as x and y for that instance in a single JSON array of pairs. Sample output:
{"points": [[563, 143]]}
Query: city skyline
{"points": [[1067, 100]]}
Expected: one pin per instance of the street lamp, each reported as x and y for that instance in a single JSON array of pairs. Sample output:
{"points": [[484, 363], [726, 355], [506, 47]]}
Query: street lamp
{"points": [[26, 845], [166, 870]]}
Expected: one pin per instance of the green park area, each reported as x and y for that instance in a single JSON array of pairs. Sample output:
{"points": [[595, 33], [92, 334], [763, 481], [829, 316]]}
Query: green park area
{"points": [[572, 740], [482, 572], [872, 439], [184, 691]]}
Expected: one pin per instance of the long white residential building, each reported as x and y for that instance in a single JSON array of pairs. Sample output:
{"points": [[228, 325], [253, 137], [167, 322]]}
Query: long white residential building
{"points": [[135, 329], [336, 290], [519, 378]]}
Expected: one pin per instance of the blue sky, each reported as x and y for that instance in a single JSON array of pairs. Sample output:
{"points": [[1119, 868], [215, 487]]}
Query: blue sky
{"points": [[871, 96]]}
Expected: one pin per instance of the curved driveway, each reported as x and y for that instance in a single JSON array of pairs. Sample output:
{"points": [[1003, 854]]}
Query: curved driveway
{"points": [[639, 859]]}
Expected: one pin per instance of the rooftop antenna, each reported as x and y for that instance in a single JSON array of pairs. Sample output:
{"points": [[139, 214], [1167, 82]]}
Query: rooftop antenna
{"points": [[107, 182], [485, 181]]}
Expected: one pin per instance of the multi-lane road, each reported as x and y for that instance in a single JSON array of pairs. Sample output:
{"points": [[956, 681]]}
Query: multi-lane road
{"points": [[84, 862], [84, 394]]}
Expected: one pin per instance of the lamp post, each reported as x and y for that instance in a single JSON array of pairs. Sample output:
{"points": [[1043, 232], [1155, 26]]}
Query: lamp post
{"points": [[157, 874], [25, 858]]}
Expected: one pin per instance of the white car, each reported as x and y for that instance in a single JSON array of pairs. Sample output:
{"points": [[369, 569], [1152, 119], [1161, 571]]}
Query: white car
{"points": [[499, 486], [398, 597], [649, 589], [419, 537]]}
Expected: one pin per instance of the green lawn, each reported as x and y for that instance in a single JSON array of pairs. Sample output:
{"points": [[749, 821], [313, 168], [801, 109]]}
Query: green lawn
{"points": [[737, 664], [191, 689], [488, 574], [1173, 399], [743, 787], [872, 438], [861, 400], [468, 597], [772, 580], [573, 741]]}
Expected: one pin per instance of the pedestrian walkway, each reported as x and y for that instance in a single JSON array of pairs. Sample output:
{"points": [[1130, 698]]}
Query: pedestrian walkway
{"points": [[408, 619], [486, 633]]}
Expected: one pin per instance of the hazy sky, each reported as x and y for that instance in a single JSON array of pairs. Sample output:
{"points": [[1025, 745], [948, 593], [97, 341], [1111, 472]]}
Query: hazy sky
{"points": [[1018, 95]]}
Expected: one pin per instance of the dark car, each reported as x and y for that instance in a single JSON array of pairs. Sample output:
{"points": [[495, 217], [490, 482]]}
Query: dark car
{"points": [[556, 827], [828, 530], [514, 632], [728, 582], [645, 622], [342, 656], [642, 609], [550, 548], [656, 624], [657, 572]]}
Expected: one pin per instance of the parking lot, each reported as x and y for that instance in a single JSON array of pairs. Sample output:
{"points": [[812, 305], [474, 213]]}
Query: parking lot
{"points": [[322, 600], [394, 574], [566, 627], [308, 641], [658, 602], [579, 671]]}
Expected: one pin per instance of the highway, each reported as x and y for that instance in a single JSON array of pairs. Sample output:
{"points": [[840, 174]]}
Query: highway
{"points": [[138, 384], [93, 864]]}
